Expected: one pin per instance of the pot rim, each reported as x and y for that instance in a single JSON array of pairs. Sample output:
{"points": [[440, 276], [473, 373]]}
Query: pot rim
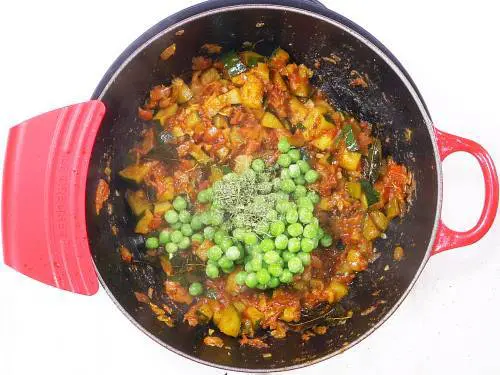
{"points": [[220, 6]]}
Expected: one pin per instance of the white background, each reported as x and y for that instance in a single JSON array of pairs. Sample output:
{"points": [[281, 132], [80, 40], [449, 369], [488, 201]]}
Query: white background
{"points": [[54, 53]]}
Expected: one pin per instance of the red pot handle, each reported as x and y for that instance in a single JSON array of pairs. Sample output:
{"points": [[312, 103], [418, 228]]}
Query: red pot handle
{"points": [[447, 238], [43, 202]]}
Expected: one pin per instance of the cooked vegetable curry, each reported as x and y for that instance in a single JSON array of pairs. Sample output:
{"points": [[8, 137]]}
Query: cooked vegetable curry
{"points": [[257, 197]]}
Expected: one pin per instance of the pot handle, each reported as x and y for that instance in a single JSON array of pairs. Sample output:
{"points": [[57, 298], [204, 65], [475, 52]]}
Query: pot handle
{"points": [[43, 199], [447, 238]]}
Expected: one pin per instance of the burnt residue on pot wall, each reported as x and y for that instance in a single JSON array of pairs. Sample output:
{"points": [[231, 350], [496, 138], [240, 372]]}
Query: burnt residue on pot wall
{"points": [[386, 102]]}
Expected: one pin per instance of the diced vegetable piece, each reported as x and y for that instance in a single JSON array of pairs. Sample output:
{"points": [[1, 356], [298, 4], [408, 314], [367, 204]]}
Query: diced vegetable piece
{"points": [[392, 208], [211, 48], [350, 160], [251, 58], [398, 253], [242, 163], [262, 71], [166, 265], [192, 119], [233, 64], [239, 80], [230, 321], [232, 287], [209, 76], [354, 189], [142, 226], [298, 79], [137, 201], [379, 219], [297, 111], [254, 315], [168, 52], [220, 122], [364, 201], [252, 92], [324, 142], [180, 91], [336, 291], [168, 194], [289, 314], [214, 104], [271, 121], [372, 195], [136, 172], [370, 230], [278, 80], [373, 162], [199, 155], [232, 97], [279, 58], [204, 313], [161, 207], [165, 113]]}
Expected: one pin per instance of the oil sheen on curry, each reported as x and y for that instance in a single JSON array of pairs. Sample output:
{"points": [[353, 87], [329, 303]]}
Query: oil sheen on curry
{"points": [[257, 199]]}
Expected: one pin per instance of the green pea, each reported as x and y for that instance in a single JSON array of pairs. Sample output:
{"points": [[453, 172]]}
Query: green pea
{"points": [[209, 233], [171, 248], [303, 165], [171, 217], [216, 217], [256, 263], [281, 242], [286, 256], [212, 271], [299, 180], [284, 160], [226, 243], [176, 236], [274, 282], [266, 245], [314, 197], [305, 215], [321, 233], [311, 176], [214, 253], [307, 245], [184, 216], [294, 171], [295, 229], [152, 243], [186, 230], [282, 206], [233, 253], [210, 193], [271, 257], [202, 196], [305, 202], [258, 165], [292, 216], [225, 262], [294, 265], [195, 289], [283, 145], [248, 267], [176, 226], [305, 258], [275, 269], [263, 276], [164, 237], [294, 154], [250, 238], [300, 191], [179, 203], [197, 237], [205, 218], [240, 277], [219, 236], [284, 174], [184, 243], [294, 245], [287, 185], [196, 222], [310, 230], [277, 227], [286, 277], [251, 280], [326, 241]]}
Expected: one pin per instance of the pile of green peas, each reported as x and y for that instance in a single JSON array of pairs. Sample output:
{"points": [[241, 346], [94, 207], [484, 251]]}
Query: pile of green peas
{"points": [[269, 258]]}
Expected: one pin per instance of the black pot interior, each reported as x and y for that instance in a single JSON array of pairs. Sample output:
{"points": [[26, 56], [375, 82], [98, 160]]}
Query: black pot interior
{"points": [[387, 103]]}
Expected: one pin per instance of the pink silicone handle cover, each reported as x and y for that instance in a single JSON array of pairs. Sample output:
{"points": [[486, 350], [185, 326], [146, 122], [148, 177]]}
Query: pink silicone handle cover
{"points": [[43, 202]]}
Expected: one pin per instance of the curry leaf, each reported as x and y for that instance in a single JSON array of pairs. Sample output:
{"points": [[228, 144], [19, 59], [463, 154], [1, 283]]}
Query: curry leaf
{"points": [[372, 195], [373, 161], [348, 136]]}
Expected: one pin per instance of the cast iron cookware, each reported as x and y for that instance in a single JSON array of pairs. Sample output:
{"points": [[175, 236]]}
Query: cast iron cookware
{"points": [[54, 161]]}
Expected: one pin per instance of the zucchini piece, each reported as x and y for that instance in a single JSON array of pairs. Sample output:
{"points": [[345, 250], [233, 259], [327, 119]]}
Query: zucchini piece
{"points": [[136, 172], [271, 121], [370, 230], [379, 219], [350, 160], [165, 113], [279, 58], [252, 92], [233, 64], [254, 315], [161, 207], [137, 201], [204, 313], [168, 194], [324, 142], [251, 58], [262, 71], [209, 76], [230, 321], [297, 111], [392, 208], [220, 122], [199, 155], [181, 91], [336, 291], [354, 189]]}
